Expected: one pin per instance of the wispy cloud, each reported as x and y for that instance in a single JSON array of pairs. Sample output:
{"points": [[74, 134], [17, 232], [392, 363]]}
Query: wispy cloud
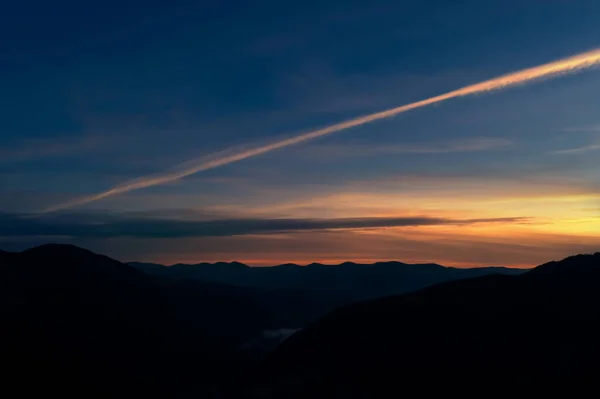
{"points": [[466, 145], [473, 144], [123, 225], [556, 68], [587, 148], [589, 128], [447, 245]]}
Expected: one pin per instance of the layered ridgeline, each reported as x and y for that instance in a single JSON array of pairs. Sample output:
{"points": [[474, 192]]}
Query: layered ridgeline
{"points": [[307, 292], [362, 280], [538, 330], [79, 323], [296, 295], [73, 315]]}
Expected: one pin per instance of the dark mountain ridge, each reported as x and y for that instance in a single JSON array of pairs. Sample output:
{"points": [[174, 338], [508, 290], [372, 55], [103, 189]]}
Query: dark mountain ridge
{"points": [[81, 319], [356, 281], [535, 330], [241, 265], [75, 316], [297, 295]]}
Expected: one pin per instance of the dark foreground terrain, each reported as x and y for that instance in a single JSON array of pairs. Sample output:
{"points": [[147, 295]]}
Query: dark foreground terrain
{"points": [[540, 331], [78, 324]]}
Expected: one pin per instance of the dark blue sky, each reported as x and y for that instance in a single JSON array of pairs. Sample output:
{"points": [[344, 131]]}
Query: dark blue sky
{"points": [[96, 94]]}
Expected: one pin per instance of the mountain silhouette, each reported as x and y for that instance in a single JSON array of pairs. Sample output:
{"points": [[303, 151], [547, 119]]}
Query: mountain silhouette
{"points": [[535, 330], [336, 284], [75, 319], [297, 295], [79, 323]]}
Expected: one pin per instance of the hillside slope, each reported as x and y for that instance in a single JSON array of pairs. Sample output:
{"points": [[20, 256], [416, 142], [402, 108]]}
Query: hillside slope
{"points": [[75, 316], [531, 330]]}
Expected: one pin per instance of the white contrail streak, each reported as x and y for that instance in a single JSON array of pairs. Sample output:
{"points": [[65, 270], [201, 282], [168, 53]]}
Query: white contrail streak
{"points": [[556, 68]]}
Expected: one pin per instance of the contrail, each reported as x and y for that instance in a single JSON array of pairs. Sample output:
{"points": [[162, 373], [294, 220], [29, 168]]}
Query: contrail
{"points": [[553, 69]]}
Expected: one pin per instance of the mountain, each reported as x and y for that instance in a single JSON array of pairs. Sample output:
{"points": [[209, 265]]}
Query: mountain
{"points": [[73, 319], [297, 295], [484, 334], [78, 323], [353, 281]]}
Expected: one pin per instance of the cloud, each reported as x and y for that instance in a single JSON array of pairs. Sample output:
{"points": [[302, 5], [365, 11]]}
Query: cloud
{"points": [[592, 128], [587, 148], [467, 145], [556, 68], [473, 144], [513, 245], [96, 225]]}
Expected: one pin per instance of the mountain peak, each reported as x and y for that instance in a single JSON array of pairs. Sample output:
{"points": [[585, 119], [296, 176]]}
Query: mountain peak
{"points": [[57, 249], [577, 264], [67, 257], [60, 250], [288, 265], [348, 263], [390, 263], [238, 264], [229, 265]]}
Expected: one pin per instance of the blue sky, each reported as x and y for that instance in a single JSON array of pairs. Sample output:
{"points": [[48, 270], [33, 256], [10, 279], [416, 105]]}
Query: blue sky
{"points": [[94, 95]]}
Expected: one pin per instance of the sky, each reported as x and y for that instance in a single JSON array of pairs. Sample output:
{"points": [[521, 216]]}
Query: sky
{"points": [[96, 95]]}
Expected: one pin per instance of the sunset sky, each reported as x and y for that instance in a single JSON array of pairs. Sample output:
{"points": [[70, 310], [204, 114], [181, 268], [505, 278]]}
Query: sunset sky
{"points": [[94, 95]]}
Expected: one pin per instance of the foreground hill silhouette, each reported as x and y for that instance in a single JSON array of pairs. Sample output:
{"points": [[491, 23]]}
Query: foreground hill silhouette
{"points": [[73, 315], [73, 319], [77, 324], [479, 335]]}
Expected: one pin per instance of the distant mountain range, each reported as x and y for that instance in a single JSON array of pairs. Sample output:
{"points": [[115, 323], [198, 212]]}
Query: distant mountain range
{"points": [[354, 281], [78, 323], [297, 295]]}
